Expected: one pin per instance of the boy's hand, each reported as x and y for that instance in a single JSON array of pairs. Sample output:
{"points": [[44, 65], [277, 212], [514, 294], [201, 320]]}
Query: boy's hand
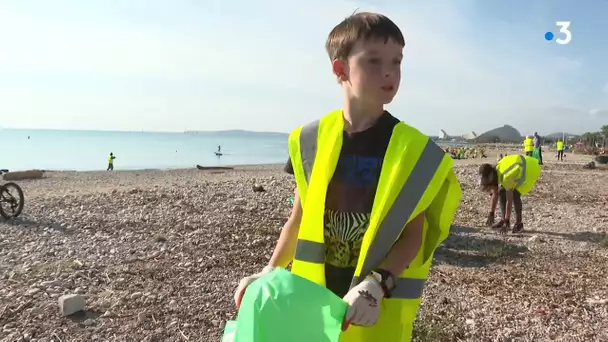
{"points": [[505, 227], [490, 220], [240, 290], [364, 302]]}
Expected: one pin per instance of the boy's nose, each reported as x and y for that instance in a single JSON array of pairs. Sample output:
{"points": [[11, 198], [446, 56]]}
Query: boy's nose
{"points": [[388, 72]]}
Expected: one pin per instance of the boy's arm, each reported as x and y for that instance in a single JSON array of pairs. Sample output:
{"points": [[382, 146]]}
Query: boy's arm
{"points": [[286, 245], [494, 200], [407, 246], [508, 205]]}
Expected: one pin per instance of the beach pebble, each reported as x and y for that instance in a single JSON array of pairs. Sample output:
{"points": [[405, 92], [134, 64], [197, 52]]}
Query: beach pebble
{"points": [[136, 295]]}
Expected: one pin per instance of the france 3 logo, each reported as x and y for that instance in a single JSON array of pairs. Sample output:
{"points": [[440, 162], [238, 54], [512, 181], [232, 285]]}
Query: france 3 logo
{"points": [[565, 36]]}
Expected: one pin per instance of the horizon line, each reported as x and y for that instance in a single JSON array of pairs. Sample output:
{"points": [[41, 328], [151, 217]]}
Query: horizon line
{"points": [[136, 131], [222, 131]]}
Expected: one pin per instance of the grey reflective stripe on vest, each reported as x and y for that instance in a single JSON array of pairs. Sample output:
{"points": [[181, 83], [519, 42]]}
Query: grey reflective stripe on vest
{"points": [[521, 179], [391, 227], [308, 147], [408, 288], [310, 251], [314, 252]]}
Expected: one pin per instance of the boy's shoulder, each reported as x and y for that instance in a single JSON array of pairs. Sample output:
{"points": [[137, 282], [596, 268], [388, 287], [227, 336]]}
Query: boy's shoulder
{"points": [[416, 136], [411, 130], [386, 120]]}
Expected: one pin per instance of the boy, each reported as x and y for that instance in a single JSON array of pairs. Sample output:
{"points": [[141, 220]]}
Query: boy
{"points": [[512, 177], [344, 175]]}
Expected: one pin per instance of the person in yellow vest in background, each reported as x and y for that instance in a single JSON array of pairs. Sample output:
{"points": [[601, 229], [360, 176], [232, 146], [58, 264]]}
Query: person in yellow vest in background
{"points": [[528, 145], [512, 177], [375, 197], [560, 149], [111, 162]]}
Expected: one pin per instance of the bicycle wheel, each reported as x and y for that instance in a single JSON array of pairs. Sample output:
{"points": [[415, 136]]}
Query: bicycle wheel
{"points": [[11, 206]]}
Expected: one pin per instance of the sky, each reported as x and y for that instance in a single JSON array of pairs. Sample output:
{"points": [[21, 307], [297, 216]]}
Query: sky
{"points": [[178, 65]]}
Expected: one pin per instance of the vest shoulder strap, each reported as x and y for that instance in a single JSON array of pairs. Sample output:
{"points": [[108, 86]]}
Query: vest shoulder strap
{"points": [[413, 172], [303, 142]]}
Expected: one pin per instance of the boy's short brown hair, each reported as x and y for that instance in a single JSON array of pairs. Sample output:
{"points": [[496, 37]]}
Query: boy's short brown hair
{"points": [[360, 26], [488, 174]]}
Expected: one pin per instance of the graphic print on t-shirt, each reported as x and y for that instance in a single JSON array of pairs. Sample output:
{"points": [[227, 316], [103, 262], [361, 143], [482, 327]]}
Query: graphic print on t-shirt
{"points": [[350, 197]]}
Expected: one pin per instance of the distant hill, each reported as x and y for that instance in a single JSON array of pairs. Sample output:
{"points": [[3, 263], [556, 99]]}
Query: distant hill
{"points": [[240, 133], [505, 133]]}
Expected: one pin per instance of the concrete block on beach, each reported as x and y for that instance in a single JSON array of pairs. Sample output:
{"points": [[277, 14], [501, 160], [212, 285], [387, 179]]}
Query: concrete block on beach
{"points": [[70, 304]]}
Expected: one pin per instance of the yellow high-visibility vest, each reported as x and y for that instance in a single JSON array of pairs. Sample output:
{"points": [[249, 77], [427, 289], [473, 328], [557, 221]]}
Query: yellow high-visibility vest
{"points": [[110, 159], [416, 176], [528, 145], [560, 145], [528, 171]]}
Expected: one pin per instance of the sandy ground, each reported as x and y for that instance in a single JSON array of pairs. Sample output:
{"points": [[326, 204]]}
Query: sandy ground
{"points": [[158, 253]]}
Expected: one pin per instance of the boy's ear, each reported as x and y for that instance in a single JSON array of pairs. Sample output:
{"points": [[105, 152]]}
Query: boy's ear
{"points": [[340, 69]]}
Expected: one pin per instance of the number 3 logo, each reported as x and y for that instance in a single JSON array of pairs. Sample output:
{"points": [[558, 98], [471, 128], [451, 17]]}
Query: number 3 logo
{"points": [[563, 28]]}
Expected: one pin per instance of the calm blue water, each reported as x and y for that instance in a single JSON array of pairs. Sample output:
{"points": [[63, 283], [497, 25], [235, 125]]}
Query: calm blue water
{"points": [[89, 150]]}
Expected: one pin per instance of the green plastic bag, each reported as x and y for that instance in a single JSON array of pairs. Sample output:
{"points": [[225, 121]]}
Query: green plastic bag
{"points": [[229, 332], [536, 154], [281, 306]]}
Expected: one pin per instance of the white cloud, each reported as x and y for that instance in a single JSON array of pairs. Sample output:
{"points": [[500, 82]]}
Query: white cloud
{"points": [[595, 112]]}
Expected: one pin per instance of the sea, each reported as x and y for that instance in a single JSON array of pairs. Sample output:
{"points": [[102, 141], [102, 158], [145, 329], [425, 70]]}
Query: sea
{"points": [[72, 150], [63, 150]]}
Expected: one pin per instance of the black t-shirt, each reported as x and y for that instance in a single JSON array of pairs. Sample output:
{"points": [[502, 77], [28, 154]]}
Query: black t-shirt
{"points": [[350, 197]]}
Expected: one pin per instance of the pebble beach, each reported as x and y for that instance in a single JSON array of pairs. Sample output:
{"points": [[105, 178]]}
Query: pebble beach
{"points": [[157, 255]]}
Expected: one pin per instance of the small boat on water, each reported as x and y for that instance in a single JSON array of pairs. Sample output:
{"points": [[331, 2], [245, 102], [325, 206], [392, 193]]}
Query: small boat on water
{"points": [[200, 167]]}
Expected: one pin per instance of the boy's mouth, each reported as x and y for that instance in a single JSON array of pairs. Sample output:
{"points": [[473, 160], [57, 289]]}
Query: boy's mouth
{"points": [[388, 88]]}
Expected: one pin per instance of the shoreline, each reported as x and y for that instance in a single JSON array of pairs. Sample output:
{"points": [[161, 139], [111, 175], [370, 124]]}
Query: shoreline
{"points": [[492, 150], [236, 167], [548, 157]]}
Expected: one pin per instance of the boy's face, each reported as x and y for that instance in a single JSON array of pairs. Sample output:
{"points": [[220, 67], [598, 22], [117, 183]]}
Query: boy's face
{"points": [[372, 72]]}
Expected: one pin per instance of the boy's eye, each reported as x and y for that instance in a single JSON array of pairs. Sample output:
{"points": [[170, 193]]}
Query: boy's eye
{"points": [[397, 62], [374, 60]]}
